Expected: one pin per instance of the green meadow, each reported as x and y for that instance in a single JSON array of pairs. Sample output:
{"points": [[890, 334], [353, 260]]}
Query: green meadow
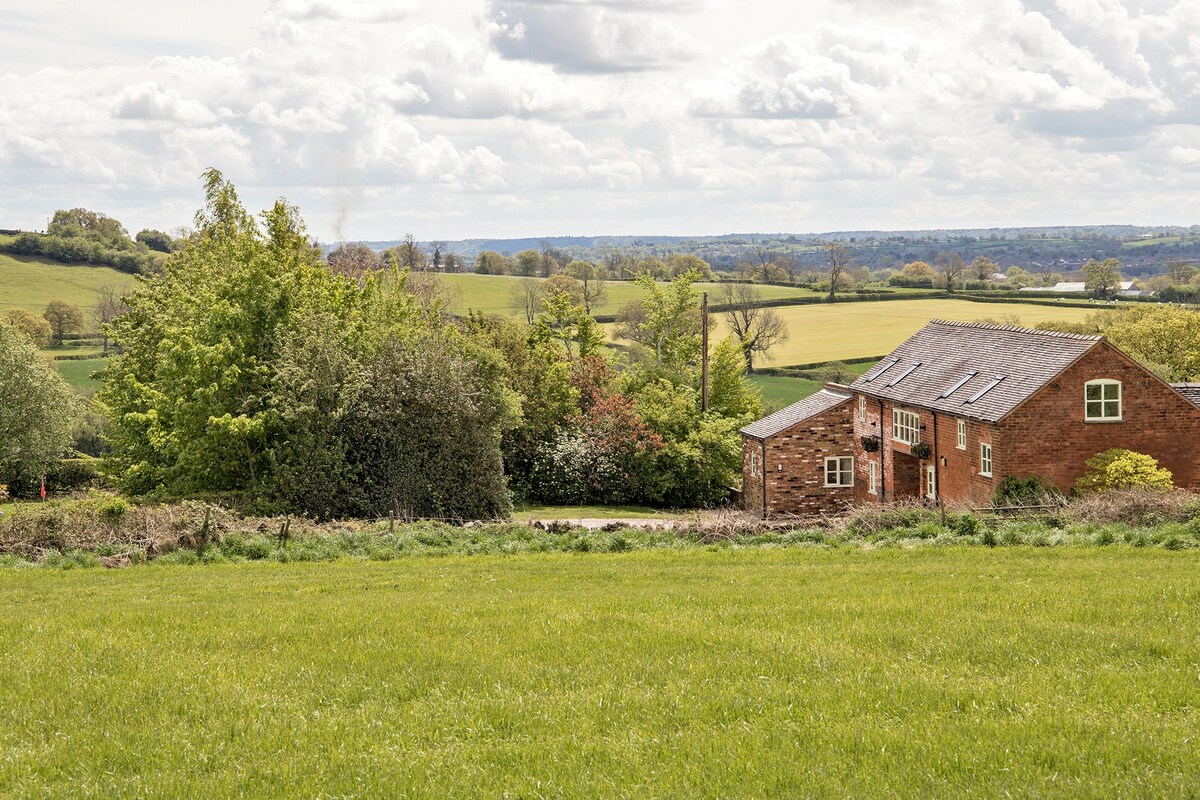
{"points": [[31, 283], [936, 672]]}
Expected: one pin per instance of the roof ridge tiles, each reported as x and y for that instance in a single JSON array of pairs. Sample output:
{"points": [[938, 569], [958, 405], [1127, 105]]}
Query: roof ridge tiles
{"points": [[989, 326]]}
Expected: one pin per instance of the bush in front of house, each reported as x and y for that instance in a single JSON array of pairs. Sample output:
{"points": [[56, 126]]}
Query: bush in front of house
{"points": [[1118, 468]]}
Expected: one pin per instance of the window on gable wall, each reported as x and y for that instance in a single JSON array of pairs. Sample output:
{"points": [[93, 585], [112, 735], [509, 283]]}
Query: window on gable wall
{"points": [[1102, 400], [906, 426], [839, 471], [754, 463], [985, 459]]}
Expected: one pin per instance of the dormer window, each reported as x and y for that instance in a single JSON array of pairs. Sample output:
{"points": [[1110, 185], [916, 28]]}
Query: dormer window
{"points": [[1102, 401]]}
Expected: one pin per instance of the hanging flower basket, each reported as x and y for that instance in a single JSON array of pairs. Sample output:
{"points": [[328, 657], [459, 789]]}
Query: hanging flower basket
{"points": [[870, 443], [921, 450]]}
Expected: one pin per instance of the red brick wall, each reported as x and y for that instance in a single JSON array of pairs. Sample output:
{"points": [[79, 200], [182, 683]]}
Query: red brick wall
{"points": [[795, 466], [1047, 435], [958, 480]]}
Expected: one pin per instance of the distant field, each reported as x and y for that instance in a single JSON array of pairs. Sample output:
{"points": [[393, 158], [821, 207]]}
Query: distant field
{"points": [[31, 283], [938, 672], [490, 293], [858, 330], [78, 373]]}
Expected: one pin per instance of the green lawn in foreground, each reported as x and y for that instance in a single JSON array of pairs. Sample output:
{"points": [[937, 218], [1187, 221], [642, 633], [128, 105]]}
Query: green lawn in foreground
{"points": [[858, 330], [31, 283], [928, 673], [78, 373]]}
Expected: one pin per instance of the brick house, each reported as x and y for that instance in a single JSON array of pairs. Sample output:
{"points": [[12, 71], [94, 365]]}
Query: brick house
{"points": [[959, 406], [801, 460]]}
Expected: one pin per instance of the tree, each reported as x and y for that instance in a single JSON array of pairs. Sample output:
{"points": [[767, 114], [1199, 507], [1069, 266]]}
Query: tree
{"points": [[952, 267], [1102, 278], [567, 285], [592, 285], [354, 260], [1018, 278], [156, 240], [765, 266], [840, 262], [548, 261], [30, 324], [37, 408], [679, 263], [109, 306], [436, 251], [64, 318], [666, 321], [917, 270], [527, 263], [409, 255], [983, 268], [526, 297], [563, 320], [1123, 469], [1180, 272], [756, 329], [489, 262]]}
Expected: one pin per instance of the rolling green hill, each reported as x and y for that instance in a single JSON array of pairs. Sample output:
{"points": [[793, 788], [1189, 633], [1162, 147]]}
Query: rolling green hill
{"points": [[31, 283]]}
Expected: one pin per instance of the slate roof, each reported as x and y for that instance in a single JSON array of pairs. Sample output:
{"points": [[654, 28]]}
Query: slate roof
{"points": [[807, 408], [1189, 390], [973, 370]]}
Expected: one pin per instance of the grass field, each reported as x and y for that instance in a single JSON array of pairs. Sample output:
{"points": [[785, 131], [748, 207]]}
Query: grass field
{"points": [[934, 672], [779, 390], [858, 330], [529, 513], [31, 283], [490, 293], [78, 373]]}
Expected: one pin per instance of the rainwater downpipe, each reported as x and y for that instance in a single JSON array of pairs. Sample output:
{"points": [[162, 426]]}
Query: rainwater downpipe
{"points": [[763, 470], [882, 472]]}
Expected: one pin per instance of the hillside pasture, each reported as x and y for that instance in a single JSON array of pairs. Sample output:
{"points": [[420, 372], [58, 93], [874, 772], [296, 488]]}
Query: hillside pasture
{"points": [[829, 332], [31, 283], [78, 372], [936, 672], [491, 293]]}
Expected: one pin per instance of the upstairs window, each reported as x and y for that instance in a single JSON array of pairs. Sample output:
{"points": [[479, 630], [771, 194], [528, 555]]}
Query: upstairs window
{"points": [[1102, 400], [839, 471], [906, 426], [962, 434], [754, 463], [862, 408]]}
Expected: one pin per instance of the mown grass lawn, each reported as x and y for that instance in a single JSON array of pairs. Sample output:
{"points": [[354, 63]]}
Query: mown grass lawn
{"points": [[78, 372], [858, 330], [934, 672]]}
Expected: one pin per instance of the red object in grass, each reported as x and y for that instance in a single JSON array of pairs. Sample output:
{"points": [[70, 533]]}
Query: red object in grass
{"points": [[43, 490]]}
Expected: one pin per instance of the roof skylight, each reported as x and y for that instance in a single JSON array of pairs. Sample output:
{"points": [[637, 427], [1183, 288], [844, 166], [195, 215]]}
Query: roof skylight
{"points": [[904, 374], [958, 385], [986, 389], [884, 369]]}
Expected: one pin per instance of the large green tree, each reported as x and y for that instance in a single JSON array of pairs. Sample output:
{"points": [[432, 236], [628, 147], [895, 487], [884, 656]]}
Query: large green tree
{"points": [[37, 408]]}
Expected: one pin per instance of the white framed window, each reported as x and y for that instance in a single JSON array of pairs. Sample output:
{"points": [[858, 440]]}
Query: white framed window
{"points": [[754, 463], [839, 471], [931, 482], [985, 459], [872, 478], [1102, 400], [962, 434], [906, 426], [862, 408]]}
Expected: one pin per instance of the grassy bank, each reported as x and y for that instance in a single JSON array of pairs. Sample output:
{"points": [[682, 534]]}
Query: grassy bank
{"points": [[31, 283], [961, 672]]}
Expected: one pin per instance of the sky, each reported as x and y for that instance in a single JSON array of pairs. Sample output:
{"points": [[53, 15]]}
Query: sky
{"points": [[452, 119]]}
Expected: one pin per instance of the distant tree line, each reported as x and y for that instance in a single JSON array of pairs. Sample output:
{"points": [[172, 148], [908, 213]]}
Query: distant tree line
{"points": [[78, 235]]}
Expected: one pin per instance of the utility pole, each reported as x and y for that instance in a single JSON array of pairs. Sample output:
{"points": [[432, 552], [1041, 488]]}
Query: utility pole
{"points": [[704, 352]]}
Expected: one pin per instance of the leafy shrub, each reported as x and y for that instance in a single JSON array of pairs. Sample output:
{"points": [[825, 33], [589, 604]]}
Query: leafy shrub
{"points": [[1031, 491], [1117, 468]]}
